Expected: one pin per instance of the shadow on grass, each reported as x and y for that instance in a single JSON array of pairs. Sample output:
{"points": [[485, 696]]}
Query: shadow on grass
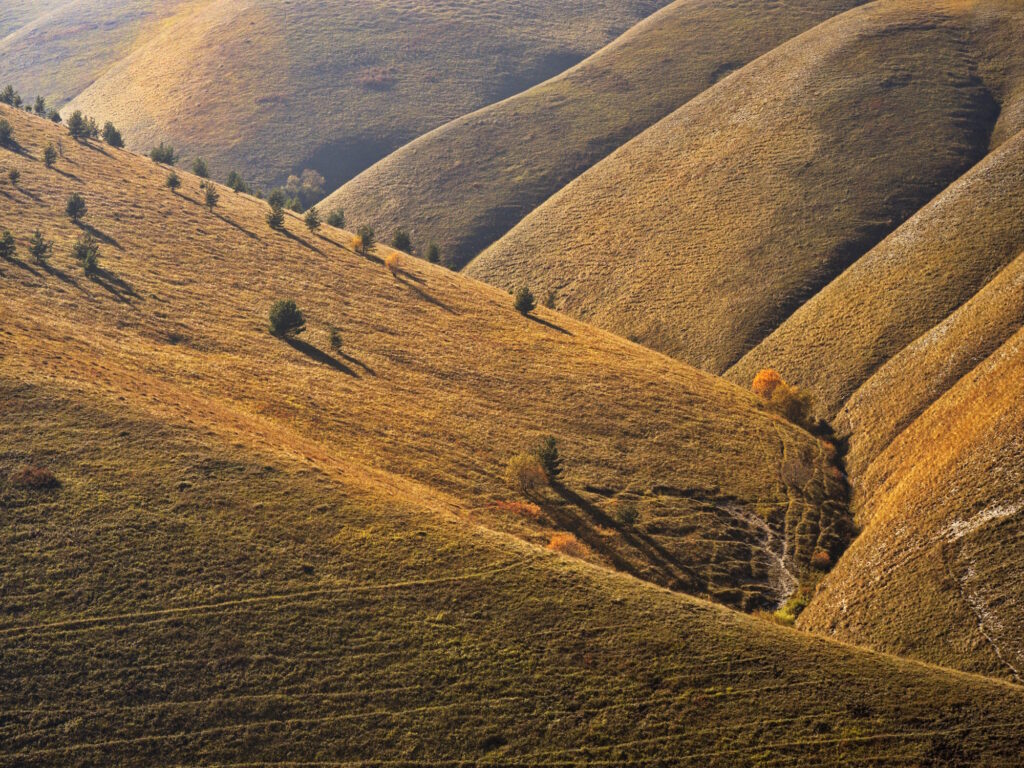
{"points": [[65, 174], [118, 288], [99, 235], [292, 236], [359, 363], [318, 355], [236, 225], [549, 324], [15, 261], [416, 289], [64, 277]]}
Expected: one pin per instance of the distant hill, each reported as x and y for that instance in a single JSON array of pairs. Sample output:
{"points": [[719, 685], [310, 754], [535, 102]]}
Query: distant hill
{"points": [[467, 183], [220, 546], [274, 87], [57, 49], [707, 231]]}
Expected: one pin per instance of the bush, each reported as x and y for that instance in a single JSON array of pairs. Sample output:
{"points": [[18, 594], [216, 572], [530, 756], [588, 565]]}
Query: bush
{"points": [[50, 155], [86, 251], [173, 182], [112, 136], [10, 96], [237, 183], [212, 197], [313, 219], [40, 106], [434, 253], [78, 126], [7, 245], [821, 560], [13, 176], [567, 544], [163, 154], [547, 455], [275, 218], [335, 339], [525, 474], [789, 612], [392, 262], [765, 382], [304, 190], [54, 116], [76, 207], [200, 168], [39, 248], [367, 240], [795, 404], [34, 478], [277, 198], [627, 515], [336, 218], [401, 241], [286, 319], [524, 302], [6, 134]]}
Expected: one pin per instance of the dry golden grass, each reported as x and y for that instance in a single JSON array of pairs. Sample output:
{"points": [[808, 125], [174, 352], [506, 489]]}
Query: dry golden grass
{"points": [[467, 183], [936, 573], [255, 555], [731, 498], [705, 232], [273, 87], [57, 49]]}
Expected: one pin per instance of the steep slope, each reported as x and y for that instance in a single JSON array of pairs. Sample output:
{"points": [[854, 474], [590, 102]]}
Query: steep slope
{"points": [[705, 232], [252, 554], [466, 184], [61, 48], [18, 13], [937, 572], [671, 475], [902, 289], [273, 87]]}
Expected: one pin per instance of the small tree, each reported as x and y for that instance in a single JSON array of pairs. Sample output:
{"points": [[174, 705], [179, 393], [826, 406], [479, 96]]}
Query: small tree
{"points": [[86, 251], [13, 176], [10, 96], [39, 248], [313, 219], [525, 474], [401, 241], [212, 196], [524, 302], [237, 183], [550, 299], [335, 339], [765, 382], [112, 136], [78, 126], [200, 168], [50, 155], [54, 116], [547, 455], [7, 245], [277, 198], [163, 154], [286, 319], [275, 218], [76, 207], [40, 106], [367, 239], [393, 263], [336, 218], [6, 134], [173, 182], [434, 254]]}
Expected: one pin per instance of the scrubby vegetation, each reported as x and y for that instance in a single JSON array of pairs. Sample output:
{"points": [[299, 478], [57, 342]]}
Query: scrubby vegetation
{"points": [[401, 241], [112, 136], [793, 403], [163, 154], [200, 168], [525, 475], [336, 218]]}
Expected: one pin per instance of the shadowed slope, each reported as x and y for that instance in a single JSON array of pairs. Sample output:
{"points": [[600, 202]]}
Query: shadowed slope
{"points": [[467, 183], [726, 498], [63, 48], [937, 572], [273, 87], [706, 231]]}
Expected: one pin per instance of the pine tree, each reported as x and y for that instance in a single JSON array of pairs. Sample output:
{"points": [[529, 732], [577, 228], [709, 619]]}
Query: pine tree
{"points": [[39, 248], [7, 245], [313, 219], [524, 302], [212, 197], [76, 207], [112, 136], [50, 155]]}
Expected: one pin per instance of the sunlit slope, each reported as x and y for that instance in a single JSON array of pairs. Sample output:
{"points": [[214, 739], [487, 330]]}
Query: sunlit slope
{"points": [[705, 232], [63, 47], [670, 474], [234, 601], [936, 573], [17, 13], [467, 183], [273, 87], [902, 289]]}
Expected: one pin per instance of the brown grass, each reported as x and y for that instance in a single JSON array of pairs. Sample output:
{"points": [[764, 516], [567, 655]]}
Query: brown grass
{"points": [[704, 233]]}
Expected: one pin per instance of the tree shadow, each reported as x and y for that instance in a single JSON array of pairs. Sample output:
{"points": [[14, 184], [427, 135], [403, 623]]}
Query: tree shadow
{"points": [[65, 174], [16, 148], [22, 264], [292, 236], [236, 225], [427, 297], [100, 235], [549, 324], [318, 355], [359, 363], [64, 277], [30, 195], [116, 286]]}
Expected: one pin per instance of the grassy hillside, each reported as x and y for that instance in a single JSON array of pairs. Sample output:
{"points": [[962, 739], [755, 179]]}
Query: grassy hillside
{"points": [[18, 13], [705, 232], [274, 87], [57, 49], [258, 552], [903, 288], [701, 489], [466, 184], [936, 573]]}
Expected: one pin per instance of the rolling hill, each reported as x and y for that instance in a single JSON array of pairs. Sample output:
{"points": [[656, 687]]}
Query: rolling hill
{"points": [[228, 548], [465, 184], [271, 88], [708, 230], [57, 49]]}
